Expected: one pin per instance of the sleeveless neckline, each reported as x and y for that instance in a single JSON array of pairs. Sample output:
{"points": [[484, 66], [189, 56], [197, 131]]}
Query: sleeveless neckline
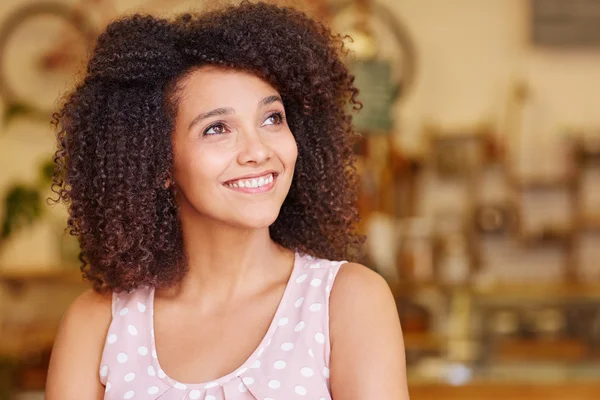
{"points": [[246, 364]]}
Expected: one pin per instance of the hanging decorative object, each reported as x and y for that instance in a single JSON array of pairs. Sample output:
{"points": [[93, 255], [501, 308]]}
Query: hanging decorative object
{"points": [[383, 61], [42, 45]]}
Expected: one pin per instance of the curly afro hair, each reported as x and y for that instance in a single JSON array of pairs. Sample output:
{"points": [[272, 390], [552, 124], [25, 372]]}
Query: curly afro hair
{"points": [[114, 137]]}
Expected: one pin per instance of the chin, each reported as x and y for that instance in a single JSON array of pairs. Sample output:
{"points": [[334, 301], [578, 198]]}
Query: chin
{"points": [[259, 221], [251, 220]]}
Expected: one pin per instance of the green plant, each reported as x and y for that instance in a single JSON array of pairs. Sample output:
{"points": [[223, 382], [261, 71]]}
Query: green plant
{"points": [[23, 203]]}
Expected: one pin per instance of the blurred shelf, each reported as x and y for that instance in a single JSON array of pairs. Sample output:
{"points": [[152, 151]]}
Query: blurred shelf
{"points": [[554, 291], [435, 371], [19, 344], [526, 291], [588, 222], [559, 236], [532, 350], [512, 391], [542, 183], [403, 289], [30, 395], [423, 341], [33, 301], [64, 274]]}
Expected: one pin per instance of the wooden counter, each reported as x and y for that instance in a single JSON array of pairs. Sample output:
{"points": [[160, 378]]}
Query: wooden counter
{"points": [[563, 391]]}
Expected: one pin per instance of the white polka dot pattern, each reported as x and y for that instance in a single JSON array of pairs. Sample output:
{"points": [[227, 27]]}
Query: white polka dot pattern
{"points": [[287, 346], [291, 362], [301, 390], [299, 326], [320, 338], [195, 394], [274, 384]]}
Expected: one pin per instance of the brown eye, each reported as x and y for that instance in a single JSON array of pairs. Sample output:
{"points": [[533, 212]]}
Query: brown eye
{"points": [[216, 129], [274, 119]]}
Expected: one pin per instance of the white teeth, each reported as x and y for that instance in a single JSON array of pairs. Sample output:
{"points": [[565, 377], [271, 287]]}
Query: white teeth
{"points": [[252, 183]]}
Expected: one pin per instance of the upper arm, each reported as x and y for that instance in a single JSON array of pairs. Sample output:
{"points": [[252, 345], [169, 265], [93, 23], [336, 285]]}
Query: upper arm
{"points": [[367, 349], [74, 364]]}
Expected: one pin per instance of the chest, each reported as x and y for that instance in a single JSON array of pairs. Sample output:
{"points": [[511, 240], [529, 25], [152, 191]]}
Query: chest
{"points": [[200, 347]]}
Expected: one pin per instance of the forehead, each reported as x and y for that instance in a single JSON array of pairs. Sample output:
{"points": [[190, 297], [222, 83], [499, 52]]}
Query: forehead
{"points": [[219, 87]]}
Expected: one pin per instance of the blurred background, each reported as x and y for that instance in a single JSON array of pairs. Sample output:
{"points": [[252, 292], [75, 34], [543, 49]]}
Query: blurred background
{"points": [[479, 153]]}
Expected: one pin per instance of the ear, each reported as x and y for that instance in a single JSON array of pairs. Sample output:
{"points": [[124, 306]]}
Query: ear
{"points": [[165, 179]]}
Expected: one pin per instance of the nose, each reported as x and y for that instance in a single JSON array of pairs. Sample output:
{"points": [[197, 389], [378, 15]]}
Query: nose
{"points": [[253, 149]]}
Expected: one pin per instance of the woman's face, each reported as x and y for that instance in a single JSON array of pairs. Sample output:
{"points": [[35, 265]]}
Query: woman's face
{"points": [[234, 153]]}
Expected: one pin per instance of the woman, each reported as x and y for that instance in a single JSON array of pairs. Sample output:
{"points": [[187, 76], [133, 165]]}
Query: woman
{"points": [[207, 165]]}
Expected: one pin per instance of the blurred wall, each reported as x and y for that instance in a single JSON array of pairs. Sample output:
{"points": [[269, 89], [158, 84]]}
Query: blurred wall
{"points": [[470, 52]]}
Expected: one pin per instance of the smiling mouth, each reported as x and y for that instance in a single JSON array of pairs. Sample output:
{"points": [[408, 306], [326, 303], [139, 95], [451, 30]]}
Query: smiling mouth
{"points": [[259, 184]]}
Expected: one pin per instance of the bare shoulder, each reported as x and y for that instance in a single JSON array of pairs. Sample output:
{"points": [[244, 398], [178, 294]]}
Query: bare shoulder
{"points": [[78, 348], [357, 279], [358, 289], [88, 312], [367, 349], [92, 301]]}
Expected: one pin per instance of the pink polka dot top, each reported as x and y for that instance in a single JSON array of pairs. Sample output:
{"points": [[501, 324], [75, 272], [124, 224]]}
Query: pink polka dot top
{"points": [[291, 362]]}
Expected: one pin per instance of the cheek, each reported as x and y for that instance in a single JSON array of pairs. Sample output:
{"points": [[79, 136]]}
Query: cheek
{"points": [[202, 165], [207, 165]]}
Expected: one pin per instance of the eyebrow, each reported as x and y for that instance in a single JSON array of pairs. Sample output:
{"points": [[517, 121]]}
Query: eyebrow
{"points": [[228, 110], [270, 99]]}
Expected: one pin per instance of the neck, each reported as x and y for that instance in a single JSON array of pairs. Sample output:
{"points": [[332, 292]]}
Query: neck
{"points": [[225, 261]]}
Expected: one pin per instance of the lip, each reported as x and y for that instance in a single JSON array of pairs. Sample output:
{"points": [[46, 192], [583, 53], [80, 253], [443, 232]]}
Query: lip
{"points": [[250, 176]]}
